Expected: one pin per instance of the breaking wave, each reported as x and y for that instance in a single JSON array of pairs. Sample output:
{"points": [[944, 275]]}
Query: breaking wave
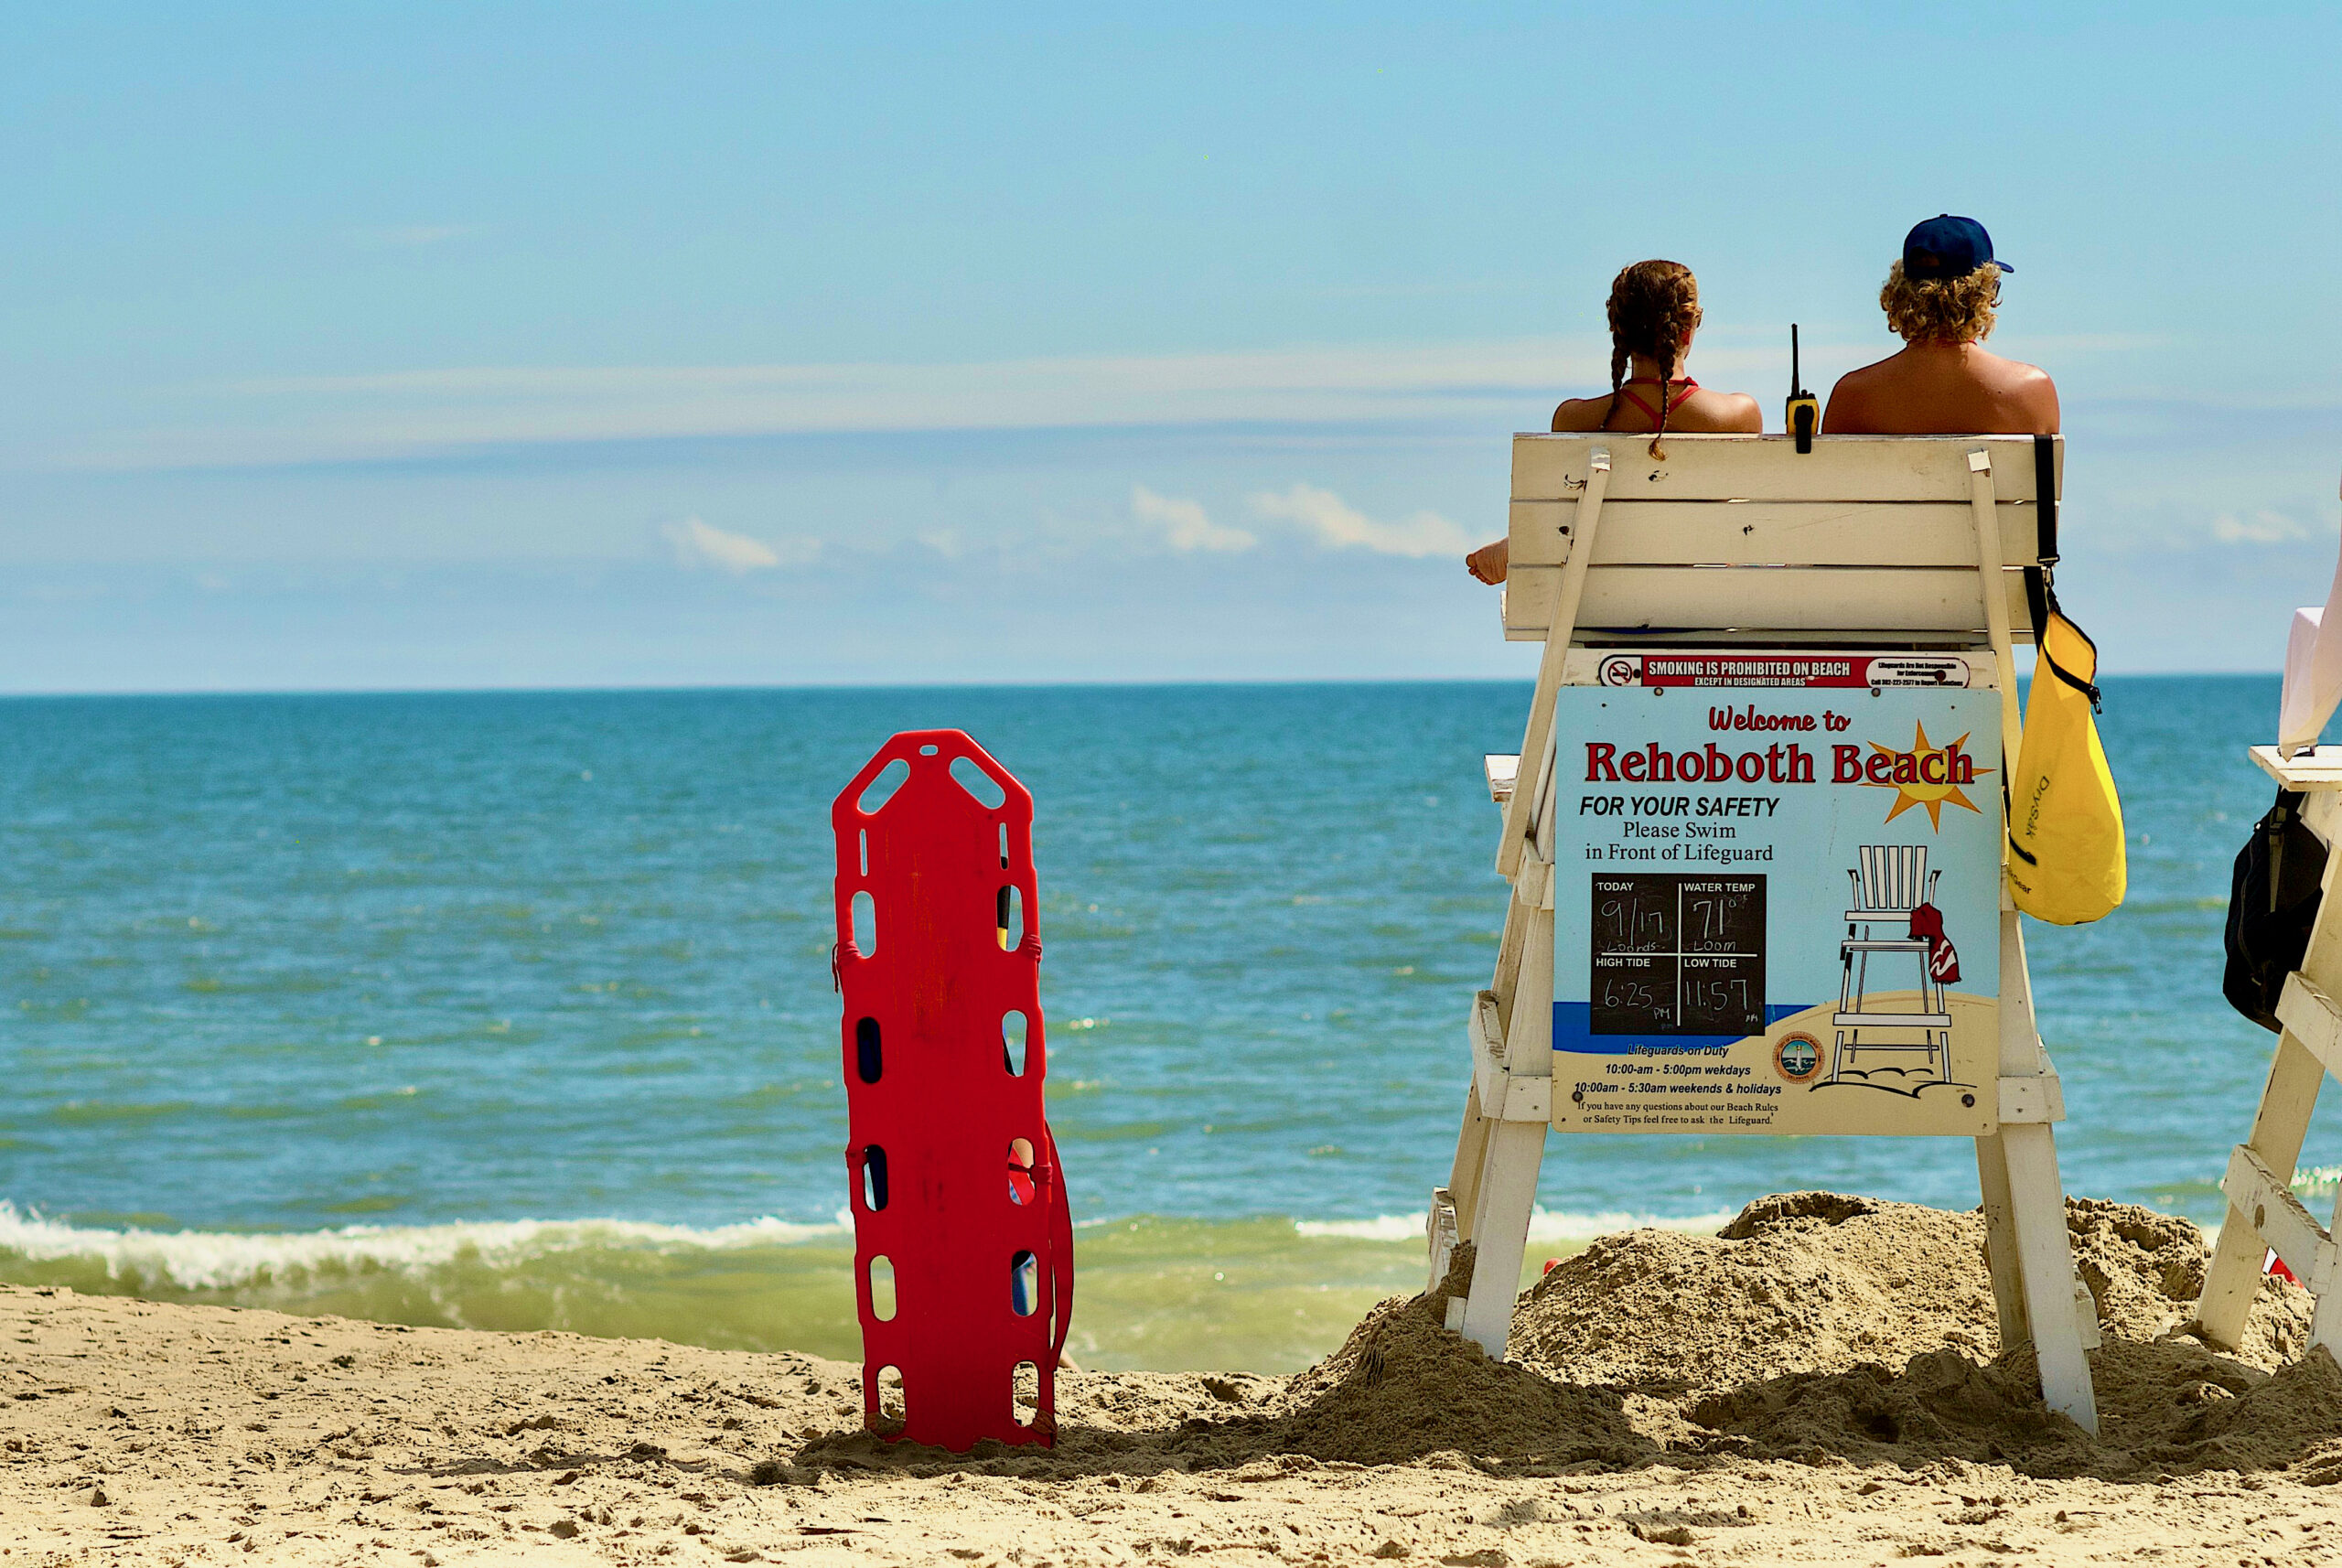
{"points": [[1267, 1293]]}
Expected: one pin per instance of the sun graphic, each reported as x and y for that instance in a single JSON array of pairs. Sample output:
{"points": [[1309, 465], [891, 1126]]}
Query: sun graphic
{"points": [[1926, 775]]}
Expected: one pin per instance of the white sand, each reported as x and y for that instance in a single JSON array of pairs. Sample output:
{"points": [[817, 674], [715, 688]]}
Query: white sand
{"points": [[138, 1433]]}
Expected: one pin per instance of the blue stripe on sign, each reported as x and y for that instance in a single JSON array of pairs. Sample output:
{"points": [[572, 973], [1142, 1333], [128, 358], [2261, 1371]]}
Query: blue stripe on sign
{"points": [[1574, 1031]]}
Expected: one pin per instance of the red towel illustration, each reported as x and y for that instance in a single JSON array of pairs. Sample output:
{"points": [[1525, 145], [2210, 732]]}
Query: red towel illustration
{"points": [[1943, 962]]}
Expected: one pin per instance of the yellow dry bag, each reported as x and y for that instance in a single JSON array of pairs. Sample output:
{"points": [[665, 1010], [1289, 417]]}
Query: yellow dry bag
{"points": [[2066, 860]]}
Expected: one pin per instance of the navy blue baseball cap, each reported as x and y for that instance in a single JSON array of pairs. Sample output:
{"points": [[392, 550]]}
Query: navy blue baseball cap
{"points": [[1948, 247]]}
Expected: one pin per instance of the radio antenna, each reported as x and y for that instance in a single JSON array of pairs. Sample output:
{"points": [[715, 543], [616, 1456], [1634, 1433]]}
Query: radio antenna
{"points": [[1803, 415]]}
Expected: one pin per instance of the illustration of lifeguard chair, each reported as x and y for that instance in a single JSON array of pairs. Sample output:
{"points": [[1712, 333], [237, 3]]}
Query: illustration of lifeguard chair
{"points": [[1888, 881]]}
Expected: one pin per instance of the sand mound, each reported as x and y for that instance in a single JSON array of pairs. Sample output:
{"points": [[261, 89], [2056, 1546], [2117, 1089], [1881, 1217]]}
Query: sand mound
{"points": [[1941, 1405], [1798, 1282], [1402, 1386], [2165, 1406], [2175, 1404], [1816, 1324], [1816, 1328], [1820, 1282], [2143, 1269]]}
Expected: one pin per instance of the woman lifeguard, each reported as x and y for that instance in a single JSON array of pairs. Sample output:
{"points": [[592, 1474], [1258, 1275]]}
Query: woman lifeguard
{"points": [[1654, 314]]}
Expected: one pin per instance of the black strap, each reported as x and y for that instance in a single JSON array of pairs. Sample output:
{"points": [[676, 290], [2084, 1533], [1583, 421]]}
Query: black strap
{"points": [[2036, 601], [2049, 597], [2044, 497], [2070, 679]]}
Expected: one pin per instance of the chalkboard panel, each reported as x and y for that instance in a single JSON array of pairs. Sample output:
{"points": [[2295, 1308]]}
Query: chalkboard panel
{"points": [[1676, 955]]}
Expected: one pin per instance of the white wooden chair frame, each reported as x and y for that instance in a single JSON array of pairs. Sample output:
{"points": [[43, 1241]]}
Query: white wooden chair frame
{"points": [[1866, 542], [2262, 1210]]}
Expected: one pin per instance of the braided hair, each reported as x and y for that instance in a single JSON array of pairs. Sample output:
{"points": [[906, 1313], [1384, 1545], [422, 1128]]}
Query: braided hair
{"points": [[1653, 306]]}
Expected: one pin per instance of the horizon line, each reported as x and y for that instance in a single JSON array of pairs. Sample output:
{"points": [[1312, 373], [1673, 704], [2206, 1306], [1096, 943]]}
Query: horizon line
{"points": [[1134, 683]]}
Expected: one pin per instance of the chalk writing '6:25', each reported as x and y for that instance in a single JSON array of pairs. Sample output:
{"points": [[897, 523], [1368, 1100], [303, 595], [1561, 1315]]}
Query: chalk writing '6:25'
{"points": [[1639, 996]]}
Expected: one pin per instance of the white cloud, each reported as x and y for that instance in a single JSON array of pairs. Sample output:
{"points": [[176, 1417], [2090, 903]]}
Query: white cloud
{"points": [[407, 414], [1501, 382], [2266, 528], [1337, 525], [697, 544], [1186, 526]]}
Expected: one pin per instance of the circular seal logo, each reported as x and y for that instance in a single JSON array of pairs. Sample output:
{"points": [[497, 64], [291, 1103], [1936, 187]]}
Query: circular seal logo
{"points": [[1796, 1057], [1621, 670]]}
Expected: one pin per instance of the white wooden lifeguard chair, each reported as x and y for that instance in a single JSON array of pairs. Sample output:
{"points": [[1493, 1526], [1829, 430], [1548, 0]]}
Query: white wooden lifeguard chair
{"points": [[2262, 1209], [1915, 554]]}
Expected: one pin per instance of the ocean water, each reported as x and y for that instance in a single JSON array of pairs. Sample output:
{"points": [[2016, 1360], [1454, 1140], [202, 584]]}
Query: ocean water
{"points": [[513, 1011]]}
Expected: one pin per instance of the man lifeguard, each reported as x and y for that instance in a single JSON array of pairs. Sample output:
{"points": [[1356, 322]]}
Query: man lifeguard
{"points": [[1939, 298]]}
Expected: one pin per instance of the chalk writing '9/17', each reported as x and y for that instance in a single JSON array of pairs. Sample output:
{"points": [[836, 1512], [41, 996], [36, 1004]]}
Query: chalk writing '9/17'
{"points": [[1635, 925]]}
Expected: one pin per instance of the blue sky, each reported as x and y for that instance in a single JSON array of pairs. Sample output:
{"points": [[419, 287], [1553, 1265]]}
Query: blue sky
{"points": [[454, 346]]}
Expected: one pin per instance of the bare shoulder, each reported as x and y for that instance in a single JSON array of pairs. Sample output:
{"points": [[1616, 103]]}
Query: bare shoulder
{"points": [[1735, 412], [1851, 399], [2011, 373], [1869, 375], [1581, 412], [2030, 390]]}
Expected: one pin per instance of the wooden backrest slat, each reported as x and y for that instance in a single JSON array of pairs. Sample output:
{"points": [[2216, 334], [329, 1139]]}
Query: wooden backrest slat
{"points": [[1944, 604], [1773, 534], [1744, 534], [1771, 468]]}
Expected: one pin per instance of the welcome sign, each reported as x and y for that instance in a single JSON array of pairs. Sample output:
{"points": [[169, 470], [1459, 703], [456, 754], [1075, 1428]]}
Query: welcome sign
{"points": [[1777, 909]]}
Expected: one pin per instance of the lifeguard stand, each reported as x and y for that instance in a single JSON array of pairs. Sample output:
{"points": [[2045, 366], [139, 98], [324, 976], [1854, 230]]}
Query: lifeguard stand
{"points": [[1909, 560], [2262, 1209]]}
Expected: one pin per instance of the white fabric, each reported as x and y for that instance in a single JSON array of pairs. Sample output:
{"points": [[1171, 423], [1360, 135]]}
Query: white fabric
{"points": [[2313, 672], [2299, 713]]}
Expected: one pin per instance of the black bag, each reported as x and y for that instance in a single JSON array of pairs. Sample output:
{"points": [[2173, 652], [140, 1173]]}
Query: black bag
{"points": [[2272, 902]]}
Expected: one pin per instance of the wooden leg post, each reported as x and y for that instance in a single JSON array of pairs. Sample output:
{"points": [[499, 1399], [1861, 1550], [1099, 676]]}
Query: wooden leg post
{"points": [[1462, 1193], [1514, 1151], [2034, 1284], [2325, 1322], [2000, 1241], [2046, 1253], [2020, 1053], [2278, 1127], [1500, 1231]]}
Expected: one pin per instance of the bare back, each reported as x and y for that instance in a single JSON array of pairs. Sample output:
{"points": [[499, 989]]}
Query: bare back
{"points": [[1701, 410], [1943, 389]]}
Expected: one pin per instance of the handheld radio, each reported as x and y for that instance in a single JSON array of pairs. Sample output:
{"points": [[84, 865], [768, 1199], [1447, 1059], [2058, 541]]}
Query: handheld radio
{"points": [[1803, 416]]}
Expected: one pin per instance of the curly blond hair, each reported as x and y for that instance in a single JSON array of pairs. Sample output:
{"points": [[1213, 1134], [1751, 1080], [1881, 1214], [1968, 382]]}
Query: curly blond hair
{"points": [[1652, 305], [1941, 310]]}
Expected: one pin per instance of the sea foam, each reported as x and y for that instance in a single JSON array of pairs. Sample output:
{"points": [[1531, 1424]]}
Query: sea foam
{"points": [[223, 1260]]}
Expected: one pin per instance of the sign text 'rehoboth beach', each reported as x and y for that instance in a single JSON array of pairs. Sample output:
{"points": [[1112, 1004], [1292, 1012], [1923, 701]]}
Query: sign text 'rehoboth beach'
{"points": [[1609, 762]]}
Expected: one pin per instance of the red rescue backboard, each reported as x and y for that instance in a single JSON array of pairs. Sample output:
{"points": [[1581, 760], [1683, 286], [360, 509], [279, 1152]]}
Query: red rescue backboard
{"points": [[957, 1197]]}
